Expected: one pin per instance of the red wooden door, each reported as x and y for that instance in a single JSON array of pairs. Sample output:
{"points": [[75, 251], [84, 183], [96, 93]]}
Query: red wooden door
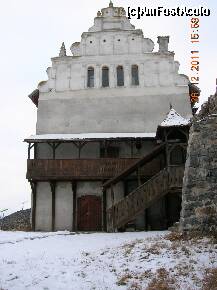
{"points": [[89, 217]]}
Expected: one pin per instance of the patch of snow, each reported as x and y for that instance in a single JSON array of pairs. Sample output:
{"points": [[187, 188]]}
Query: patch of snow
{"points": [[99, 261], [174, 119], [68, 137]]}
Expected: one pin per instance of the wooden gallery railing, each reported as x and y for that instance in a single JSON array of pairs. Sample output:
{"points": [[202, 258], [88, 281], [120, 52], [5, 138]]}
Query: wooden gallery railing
{"points": [[68, 169], [144, 196]]}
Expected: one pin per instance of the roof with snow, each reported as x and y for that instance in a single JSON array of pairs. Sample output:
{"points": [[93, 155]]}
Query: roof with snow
{"points": [[174, 119], [86, 136]]}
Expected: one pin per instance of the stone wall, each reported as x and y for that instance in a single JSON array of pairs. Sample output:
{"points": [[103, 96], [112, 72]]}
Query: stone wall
{"points": [[17, 221], [199, 201]]}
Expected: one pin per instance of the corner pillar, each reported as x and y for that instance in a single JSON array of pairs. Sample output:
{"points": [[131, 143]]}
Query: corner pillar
{"points": [[53, 191], [33, 213], [74, 191]]}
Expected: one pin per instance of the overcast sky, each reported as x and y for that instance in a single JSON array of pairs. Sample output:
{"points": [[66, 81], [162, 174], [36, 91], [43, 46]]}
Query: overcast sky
{"points": [[31, 33]]}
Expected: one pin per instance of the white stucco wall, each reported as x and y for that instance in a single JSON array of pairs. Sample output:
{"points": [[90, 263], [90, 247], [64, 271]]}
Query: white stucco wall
{"points": [[67, 105], [66, 151], [64, 206], [91, 150], [89, 188], [43, 220], [44, 151], [109, 114]]}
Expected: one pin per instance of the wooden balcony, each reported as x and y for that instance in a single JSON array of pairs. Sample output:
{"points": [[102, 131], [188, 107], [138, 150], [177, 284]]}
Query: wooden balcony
{"points": [[69, 169]]}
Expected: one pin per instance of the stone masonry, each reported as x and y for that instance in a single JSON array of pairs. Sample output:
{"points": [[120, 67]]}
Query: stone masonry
{"points": [[199, 201], [17, 221]]}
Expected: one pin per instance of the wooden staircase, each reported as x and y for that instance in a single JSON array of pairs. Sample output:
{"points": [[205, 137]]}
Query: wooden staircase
{"points": [[144, 196], [167, 179]]}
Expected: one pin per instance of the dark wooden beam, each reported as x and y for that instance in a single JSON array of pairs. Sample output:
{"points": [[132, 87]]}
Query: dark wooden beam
{"points": [[53, 191], [74, 192], [54, 146], [112, 200], [167, 157], [30, 146], [35, 150], [106, 148], [34, 188], [131, 148], [139, 176], [104, 210], [79, 145], [29, 150]]}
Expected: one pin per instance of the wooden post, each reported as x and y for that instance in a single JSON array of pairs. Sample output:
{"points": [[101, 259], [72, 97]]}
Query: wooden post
{"points": [[139, 176], [53, 191], [106, 149], [33, 187], [167, 217], [54, 150], [54, 147], [29, 147], [167, 149], [104, 210], [35, 150], [29, 150], [113, 212], [80, 145], [131, 148], [74, 191], [146, 219]]}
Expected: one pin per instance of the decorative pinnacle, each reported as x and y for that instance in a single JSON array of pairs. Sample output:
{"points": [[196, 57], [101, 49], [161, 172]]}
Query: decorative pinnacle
{"points": [[110, 3], [171, 106], [62, 50]]}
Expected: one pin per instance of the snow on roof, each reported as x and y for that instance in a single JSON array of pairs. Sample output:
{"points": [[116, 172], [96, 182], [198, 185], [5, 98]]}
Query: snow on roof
{"points": [[174, 119], [68, 137]]}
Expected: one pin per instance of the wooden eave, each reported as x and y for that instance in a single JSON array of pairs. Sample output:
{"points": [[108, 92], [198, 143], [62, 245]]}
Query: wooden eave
{"points": [[86, 139], [34, 96], [161, 128]]}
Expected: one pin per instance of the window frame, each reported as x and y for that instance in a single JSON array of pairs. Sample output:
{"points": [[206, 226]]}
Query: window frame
{"points": [[120, 78], [90, 79], [135, 78], [105, 81]]}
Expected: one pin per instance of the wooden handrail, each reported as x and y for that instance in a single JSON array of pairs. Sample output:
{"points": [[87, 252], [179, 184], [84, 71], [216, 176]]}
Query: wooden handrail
{"points": [[101, 168]]}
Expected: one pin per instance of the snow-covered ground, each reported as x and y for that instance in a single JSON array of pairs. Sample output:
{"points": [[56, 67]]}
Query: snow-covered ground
{"points": [[135, 260]]}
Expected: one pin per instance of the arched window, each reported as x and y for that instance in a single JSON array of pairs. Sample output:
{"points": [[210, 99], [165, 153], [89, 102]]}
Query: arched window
{"points": [[90, 77], [135, 75], [120, 76], [105, 76]]}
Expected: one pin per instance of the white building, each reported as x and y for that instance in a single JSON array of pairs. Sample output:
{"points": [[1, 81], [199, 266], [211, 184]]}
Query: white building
{"points": [[98, 114]]}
